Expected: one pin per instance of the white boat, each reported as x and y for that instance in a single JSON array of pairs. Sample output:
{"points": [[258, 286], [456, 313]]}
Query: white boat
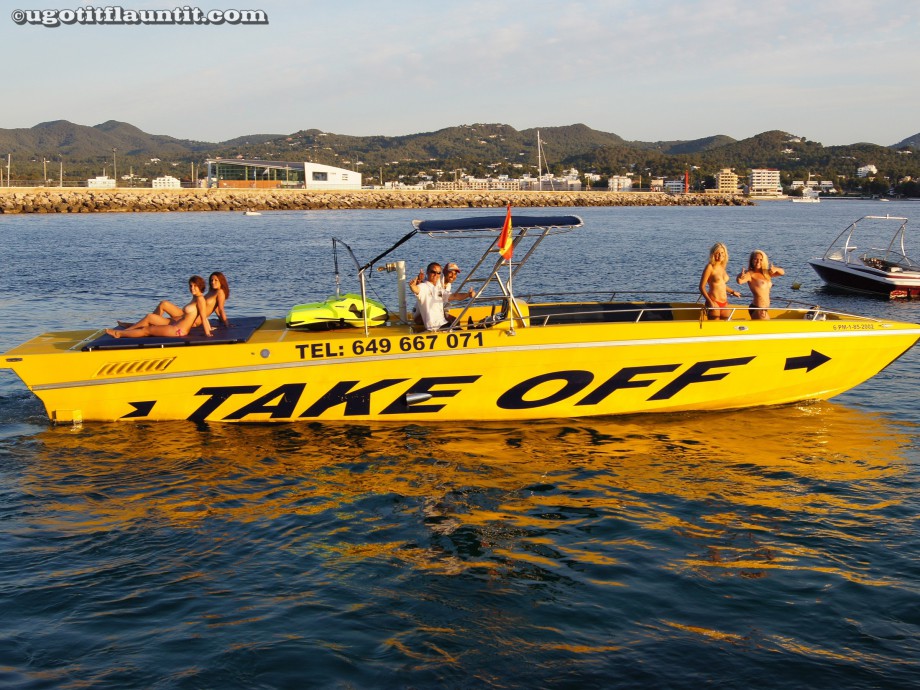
{"points": [[809, 196], [858, 260]]}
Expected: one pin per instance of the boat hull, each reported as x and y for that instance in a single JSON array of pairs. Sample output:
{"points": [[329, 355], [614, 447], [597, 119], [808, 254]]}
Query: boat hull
{"points": [[497, 373], [866, 280]]}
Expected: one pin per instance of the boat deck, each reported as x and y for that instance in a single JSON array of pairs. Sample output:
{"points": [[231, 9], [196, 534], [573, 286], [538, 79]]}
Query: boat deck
{"points": [[257, 329], [240, 331]]}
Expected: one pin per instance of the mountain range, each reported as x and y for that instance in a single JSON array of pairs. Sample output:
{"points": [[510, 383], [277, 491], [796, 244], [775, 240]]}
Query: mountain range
{"points": [[477, 149]]}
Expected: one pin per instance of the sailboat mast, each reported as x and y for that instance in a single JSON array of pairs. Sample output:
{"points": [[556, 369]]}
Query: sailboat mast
{"points": [[539, 161]]}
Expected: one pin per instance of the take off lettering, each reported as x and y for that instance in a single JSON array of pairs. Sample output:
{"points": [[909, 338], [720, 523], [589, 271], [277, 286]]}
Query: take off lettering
{"points": [[281, 402]]}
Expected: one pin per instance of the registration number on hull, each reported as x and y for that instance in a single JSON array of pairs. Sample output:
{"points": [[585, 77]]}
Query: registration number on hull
{"points": [[383, 346]]}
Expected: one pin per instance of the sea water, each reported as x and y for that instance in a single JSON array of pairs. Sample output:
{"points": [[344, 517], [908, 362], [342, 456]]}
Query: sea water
{"points": [[766, 547]]}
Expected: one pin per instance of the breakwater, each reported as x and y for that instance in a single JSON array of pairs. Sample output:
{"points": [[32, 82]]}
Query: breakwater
{"points": [[51, 200]]}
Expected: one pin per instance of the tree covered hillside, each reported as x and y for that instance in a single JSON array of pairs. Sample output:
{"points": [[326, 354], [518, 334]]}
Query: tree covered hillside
{"points": [[478, 149]]}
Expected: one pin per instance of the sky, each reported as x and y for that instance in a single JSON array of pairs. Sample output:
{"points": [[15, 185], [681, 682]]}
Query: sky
{"points": [[838, 72]]}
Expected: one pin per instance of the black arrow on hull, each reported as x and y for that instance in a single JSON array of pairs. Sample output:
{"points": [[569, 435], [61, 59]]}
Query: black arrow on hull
{"points": [[141, 409], [808, 362]]}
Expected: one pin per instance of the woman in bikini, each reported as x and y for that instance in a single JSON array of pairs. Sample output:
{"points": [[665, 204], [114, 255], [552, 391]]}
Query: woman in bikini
{"points": [[714, 283], [759, 276], [175, 327], [217, 296], [214, 301]]}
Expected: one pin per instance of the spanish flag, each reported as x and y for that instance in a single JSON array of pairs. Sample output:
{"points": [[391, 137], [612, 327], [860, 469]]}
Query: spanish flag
{"points": [[505, 240]]}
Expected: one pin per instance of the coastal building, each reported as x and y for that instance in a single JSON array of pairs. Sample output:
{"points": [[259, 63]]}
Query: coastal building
{"points": [[241, 173], [166, 182], [619, 183], [765, 182], [101, 182], [572, 179], [866, 170], [548, 182], [726, 182], [674, 186], [468, 182], [399, 185]]}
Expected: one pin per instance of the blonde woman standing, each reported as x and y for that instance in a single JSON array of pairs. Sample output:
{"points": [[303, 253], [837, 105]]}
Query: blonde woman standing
{"points": [[714, 283], [759, 276]]}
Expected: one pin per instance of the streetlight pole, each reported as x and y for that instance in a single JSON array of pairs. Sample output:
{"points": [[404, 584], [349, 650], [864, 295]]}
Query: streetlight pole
{"points": [[114, 166]]}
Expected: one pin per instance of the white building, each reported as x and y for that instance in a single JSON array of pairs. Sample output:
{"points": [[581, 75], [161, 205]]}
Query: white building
{"points": [[101, 182], [468, 182], [764, 182], [548, 182], [866, 170], [619, 183], [240, 173], [674, 186], [166, 182], [318, 176], [571, 180]]}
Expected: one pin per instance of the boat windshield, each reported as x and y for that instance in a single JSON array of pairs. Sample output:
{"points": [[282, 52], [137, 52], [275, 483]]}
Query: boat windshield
{"points": [[871, 234]]}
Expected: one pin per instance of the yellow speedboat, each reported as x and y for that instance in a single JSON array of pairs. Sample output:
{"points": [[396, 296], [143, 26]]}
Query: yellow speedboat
{"points": [[504, 359]]}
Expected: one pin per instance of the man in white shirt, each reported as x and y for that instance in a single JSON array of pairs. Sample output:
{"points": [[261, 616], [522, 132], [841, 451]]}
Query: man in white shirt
{"points": [[431, 297]]}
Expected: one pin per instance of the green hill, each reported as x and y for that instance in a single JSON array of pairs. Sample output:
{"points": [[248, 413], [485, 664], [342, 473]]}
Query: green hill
{"points": [[478, 149]]}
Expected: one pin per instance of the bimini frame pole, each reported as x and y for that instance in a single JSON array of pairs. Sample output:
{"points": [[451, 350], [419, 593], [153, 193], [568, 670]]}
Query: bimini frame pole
{"points": [[361, 278], [511, 301]]}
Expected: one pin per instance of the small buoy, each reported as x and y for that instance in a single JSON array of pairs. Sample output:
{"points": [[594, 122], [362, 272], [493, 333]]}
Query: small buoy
{"points": [[796, 285]]}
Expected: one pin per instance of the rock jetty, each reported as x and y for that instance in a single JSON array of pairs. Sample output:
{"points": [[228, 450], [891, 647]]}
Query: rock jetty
{"points": [[75, 200]]}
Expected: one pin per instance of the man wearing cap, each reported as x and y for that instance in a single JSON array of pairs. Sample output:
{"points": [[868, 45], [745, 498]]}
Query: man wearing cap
{"points": [[451, 273]]}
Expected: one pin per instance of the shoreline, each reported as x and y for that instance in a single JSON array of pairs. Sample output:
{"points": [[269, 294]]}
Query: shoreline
{"points": [[19, 200]]}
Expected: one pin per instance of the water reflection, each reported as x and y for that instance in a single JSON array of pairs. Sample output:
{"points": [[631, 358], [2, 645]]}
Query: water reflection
{"points": [[470, 497]]}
